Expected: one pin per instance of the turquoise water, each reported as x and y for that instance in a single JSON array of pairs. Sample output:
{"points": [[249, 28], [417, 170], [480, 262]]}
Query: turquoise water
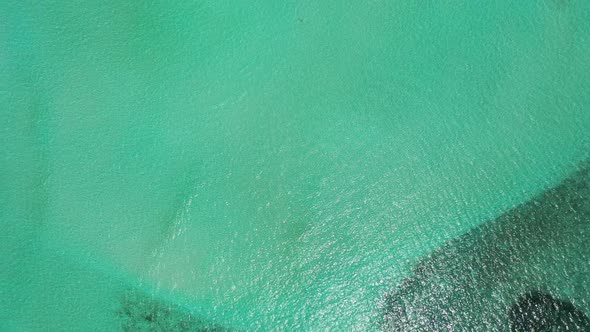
{"points": [[269, 165]]}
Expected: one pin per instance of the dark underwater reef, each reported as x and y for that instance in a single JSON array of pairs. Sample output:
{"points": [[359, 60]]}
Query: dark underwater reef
{"points": [[538, 311], [527, 270], [139, 312]]}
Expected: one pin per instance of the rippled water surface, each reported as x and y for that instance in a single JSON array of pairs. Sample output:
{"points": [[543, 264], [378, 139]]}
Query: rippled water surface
{"points": [[294, 165]]}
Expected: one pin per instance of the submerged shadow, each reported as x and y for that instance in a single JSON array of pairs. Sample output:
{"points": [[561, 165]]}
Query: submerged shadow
{"points": [[476, 282], [540, 312]]}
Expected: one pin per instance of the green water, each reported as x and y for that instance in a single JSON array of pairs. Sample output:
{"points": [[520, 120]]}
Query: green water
{"points": [[265, 164]]}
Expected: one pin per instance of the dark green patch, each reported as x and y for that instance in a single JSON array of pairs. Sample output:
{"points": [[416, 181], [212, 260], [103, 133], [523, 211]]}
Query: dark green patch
{"points": [[540, 312], [470, 283], [141, 313]]}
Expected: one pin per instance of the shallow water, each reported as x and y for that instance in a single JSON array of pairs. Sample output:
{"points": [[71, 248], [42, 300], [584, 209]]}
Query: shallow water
{"points": [[267, 165]]}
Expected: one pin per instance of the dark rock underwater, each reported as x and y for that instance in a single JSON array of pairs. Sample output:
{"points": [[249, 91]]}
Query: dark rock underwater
{"points": [[528, 270]]}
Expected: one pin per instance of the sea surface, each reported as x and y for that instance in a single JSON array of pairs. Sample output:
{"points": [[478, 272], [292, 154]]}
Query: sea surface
{"points": [[269, 165]]}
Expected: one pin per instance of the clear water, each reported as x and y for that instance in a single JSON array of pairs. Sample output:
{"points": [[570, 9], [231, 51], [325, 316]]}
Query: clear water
{"points": [[269, 165]]}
